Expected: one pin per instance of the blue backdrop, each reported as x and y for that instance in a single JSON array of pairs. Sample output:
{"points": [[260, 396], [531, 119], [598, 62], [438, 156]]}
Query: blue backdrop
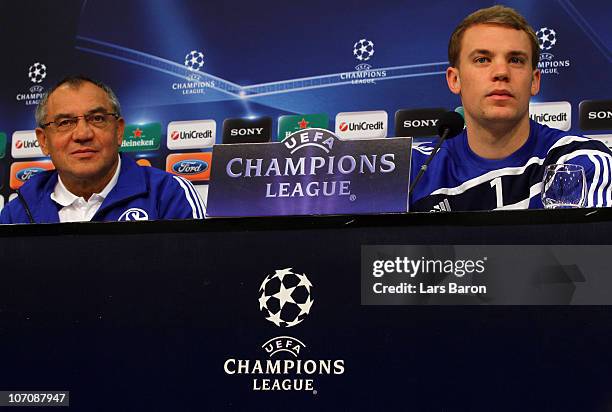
{"points": [[273, 58]]}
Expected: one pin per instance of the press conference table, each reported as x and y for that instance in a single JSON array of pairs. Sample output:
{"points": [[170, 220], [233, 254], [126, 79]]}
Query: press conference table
{"points": [[148, 316]]}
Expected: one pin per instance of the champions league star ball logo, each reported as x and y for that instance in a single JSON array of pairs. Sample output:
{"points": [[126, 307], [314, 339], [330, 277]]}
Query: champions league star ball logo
{"points": [[285, 297], [194, 60], [363, 50], [285, 300], [37, 72], [548, 64], [547, 38]]}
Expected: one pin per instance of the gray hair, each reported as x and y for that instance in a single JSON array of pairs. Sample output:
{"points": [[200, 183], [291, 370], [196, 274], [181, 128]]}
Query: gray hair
{"points": [[75, 82]]}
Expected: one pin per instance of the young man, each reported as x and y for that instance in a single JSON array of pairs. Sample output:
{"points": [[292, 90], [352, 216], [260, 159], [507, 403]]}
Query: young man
{"points": [[499, 160], [81, 128]]}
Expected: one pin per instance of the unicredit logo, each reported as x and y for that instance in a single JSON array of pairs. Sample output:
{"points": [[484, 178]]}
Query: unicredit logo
{"points": [[358, 126], [362, 125], [549, 117], [552, 114], [192, 134], [26, 144], [247, 132]]}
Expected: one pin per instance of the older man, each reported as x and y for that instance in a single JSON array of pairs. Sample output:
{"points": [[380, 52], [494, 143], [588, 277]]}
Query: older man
{"points": [[499, 160], [80, 127]]}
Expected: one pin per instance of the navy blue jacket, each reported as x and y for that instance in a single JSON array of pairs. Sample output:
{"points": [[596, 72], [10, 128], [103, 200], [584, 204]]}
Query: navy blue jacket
{"points": [[141, 193], [458, 179]]}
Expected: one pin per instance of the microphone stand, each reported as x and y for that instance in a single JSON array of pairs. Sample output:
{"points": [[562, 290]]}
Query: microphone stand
{"points": [[429, 159]]}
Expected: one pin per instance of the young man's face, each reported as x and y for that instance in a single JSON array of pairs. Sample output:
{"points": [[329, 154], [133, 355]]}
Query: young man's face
{"points": [[494, 75]]}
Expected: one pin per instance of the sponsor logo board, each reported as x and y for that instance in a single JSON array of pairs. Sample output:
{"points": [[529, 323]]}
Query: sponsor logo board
{"points": [[242, 130], [141, 137], [25, 144], [21, 172], [192, 134], [362, 125], [2, 145], [191, 166], [552, 114], [596, 115], [418, 122], [289, 124]]}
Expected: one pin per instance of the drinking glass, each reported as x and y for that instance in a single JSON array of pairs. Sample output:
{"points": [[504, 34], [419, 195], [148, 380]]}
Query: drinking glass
{"points": [[563, 186]]}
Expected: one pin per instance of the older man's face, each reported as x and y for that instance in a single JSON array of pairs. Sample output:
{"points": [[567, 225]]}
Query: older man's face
{"points": [[87, 153]]}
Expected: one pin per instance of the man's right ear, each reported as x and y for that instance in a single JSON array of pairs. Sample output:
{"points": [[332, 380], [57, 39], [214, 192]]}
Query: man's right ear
{"points": [[453, 80], [42, 140]]}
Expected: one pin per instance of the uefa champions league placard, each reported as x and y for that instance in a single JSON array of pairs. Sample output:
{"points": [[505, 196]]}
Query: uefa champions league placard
{"points": [[311, 172]]}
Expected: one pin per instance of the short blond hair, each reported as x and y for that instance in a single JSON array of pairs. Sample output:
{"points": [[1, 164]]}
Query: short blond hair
{"points": [[504, 16]]}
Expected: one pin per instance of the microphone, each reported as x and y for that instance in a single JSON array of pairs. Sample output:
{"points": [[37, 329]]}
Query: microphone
{"points": [[450, 125], [25, 206]]}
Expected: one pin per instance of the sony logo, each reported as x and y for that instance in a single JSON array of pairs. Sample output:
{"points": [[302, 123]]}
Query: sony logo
{"points": [[246, 132], [420, 123], [600, 115]]}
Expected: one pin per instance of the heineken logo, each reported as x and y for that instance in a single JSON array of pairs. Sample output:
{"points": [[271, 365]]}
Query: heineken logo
{"points": [[141, 137], [290, 124]]}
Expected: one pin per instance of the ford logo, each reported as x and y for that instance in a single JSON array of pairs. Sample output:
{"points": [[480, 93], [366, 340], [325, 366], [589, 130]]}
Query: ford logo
{"points": [[190, 167], [26, 174]]}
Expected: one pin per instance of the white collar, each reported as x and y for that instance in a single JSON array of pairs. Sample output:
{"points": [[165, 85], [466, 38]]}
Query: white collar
{"points": [[65, 197]]}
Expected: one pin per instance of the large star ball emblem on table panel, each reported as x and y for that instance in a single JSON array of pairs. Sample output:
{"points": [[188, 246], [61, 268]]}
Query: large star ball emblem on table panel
{"points": [[285, 297]]}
